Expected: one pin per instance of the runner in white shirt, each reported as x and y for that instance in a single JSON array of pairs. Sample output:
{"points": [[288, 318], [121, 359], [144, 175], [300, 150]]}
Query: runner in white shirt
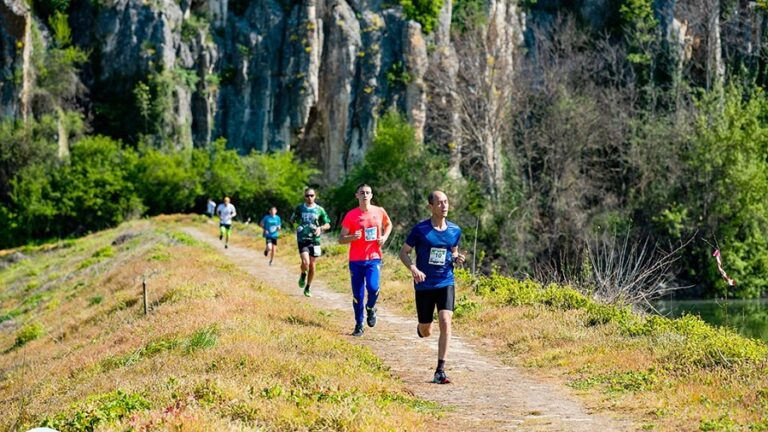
{"points": [[226, 212]]}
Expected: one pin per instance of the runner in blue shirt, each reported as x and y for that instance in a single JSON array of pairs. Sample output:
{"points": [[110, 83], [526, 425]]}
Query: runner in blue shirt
{"points": [[436, 241], [272, 225]]}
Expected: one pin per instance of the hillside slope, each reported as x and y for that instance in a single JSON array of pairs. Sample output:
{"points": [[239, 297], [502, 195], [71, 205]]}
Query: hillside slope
{"points": [[218, 351]]}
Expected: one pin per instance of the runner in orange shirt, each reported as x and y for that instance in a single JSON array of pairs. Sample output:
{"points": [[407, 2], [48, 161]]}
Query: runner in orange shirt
{"points": [[366, 228]]}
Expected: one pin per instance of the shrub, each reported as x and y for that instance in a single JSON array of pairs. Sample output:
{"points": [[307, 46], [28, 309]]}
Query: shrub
{"points": [[425, 12], [98, 411], [168, 181], [28, 333]]}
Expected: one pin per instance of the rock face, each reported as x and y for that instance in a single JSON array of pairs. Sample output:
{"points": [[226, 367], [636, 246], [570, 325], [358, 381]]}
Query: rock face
{"points": [[311, 76], [15, 22]]}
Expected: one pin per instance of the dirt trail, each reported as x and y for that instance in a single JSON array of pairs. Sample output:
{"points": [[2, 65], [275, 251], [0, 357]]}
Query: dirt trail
{"points": [[485, 394]]}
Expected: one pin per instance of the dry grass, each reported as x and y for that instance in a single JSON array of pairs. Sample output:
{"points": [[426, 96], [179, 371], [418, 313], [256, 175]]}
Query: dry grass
{"points": [[217, 352]]}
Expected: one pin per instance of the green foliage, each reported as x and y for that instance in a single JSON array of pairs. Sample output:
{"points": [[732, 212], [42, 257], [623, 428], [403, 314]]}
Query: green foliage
{"points": [[202, 339], [425, 12], [57, 67], [192, 26], [727, 184], [273, 179], [468, 14], [400, 171], [465, 307], [28, 333], [168, 181], [620, 382], [152, 348], [92, 191], [98, 411], [687, 340], [397, 75], [47, 8], [640, 28]]}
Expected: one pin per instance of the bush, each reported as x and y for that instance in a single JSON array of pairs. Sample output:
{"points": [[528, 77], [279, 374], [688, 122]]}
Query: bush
{"points": [[425, 12], [91, 192], [28, 333], [168, 181], [98, 411]]}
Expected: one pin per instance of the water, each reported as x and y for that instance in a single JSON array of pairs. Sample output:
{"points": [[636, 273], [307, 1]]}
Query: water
{"points": [[748, 317]]}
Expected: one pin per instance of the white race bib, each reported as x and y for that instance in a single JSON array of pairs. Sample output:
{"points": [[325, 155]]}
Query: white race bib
{"points": [[370, 234], [316, 251], [437, 256], [272, 229]]}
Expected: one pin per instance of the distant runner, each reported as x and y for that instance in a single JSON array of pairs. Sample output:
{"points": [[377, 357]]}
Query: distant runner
{"points": [[210, 208], [312, 220], [436, 241], [226, 212], [272, 225], [365, 228]]}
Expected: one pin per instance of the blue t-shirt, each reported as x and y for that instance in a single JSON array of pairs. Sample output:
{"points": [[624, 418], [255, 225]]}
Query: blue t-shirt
{"points": [[433, 253], [271, 224]]}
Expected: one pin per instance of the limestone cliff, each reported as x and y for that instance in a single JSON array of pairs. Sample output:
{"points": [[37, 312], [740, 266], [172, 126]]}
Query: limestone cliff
{"points": [[312, 76]]}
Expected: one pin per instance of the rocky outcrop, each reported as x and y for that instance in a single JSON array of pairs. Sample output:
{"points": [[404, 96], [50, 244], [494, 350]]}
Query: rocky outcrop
{"points": [[311, 76], [15, 45]]}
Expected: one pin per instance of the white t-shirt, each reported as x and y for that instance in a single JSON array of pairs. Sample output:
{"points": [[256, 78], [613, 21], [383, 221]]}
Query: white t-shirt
{"points": [[226, 212], [211, 207]]}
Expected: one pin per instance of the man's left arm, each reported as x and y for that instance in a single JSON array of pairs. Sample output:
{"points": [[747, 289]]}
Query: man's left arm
{"points": [[387, 223], [325, 220], [458, 258]]}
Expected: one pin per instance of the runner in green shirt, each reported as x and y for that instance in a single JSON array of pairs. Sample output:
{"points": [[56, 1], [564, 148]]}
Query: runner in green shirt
{"points": [[312, 220]]}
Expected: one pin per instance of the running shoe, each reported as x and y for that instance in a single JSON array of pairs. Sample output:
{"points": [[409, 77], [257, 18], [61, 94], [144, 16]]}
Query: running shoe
{"points": [[371, 319], [265, 252], [307, 292], [221, 236], [302, 280], [226, 246], [358, 330], [441, 378]]}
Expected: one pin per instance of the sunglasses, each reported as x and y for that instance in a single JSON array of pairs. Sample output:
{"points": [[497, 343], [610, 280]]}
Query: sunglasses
{"points": [[309, 196]]}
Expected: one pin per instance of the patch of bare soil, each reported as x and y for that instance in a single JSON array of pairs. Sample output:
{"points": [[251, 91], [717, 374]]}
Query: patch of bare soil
{"points": [[484, 395]]}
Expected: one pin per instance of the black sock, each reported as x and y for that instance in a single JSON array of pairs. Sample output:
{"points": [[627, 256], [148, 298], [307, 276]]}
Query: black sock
{"points": [[440, 365], [307, 286]]}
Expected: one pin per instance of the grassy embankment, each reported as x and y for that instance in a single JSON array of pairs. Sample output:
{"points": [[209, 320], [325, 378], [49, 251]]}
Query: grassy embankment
{"points": [[220, 351], [217, 352], [666, 374]]}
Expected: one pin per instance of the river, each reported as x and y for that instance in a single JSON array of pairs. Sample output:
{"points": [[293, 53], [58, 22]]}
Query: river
{"points": [[748, 317]]}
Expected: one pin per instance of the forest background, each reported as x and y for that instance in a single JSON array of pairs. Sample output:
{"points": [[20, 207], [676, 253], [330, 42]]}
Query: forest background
{"points": [[605, 136]]}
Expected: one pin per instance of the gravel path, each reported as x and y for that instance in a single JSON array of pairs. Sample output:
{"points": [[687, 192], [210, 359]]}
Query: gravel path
{"points": [[485, 394]]}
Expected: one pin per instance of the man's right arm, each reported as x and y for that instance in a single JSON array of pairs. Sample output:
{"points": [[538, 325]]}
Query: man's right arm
{"points": [[405, 258]]}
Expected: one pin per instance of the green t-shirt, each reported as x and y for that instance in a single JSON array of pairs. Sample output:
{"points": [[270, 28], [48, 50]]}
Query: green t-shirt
{"points": [[309, 218]]}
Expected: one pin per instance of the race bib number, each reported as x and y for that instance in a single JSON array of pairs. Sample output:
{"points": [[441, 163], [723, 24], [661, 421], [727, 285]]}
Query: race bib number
{"points": [[437, 256], [316, 251], [272, 229], [370, 234]]}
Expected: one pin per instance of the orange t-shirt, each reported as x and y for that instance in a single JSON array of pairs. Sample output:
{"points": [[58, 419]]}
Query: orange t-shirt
{"points": [[371, 224]]}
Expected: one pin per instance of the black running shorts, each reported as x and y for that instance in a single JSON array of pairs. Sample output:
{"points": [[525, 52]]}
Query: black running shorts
{"points": [[426, 300], [309, 247]]}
